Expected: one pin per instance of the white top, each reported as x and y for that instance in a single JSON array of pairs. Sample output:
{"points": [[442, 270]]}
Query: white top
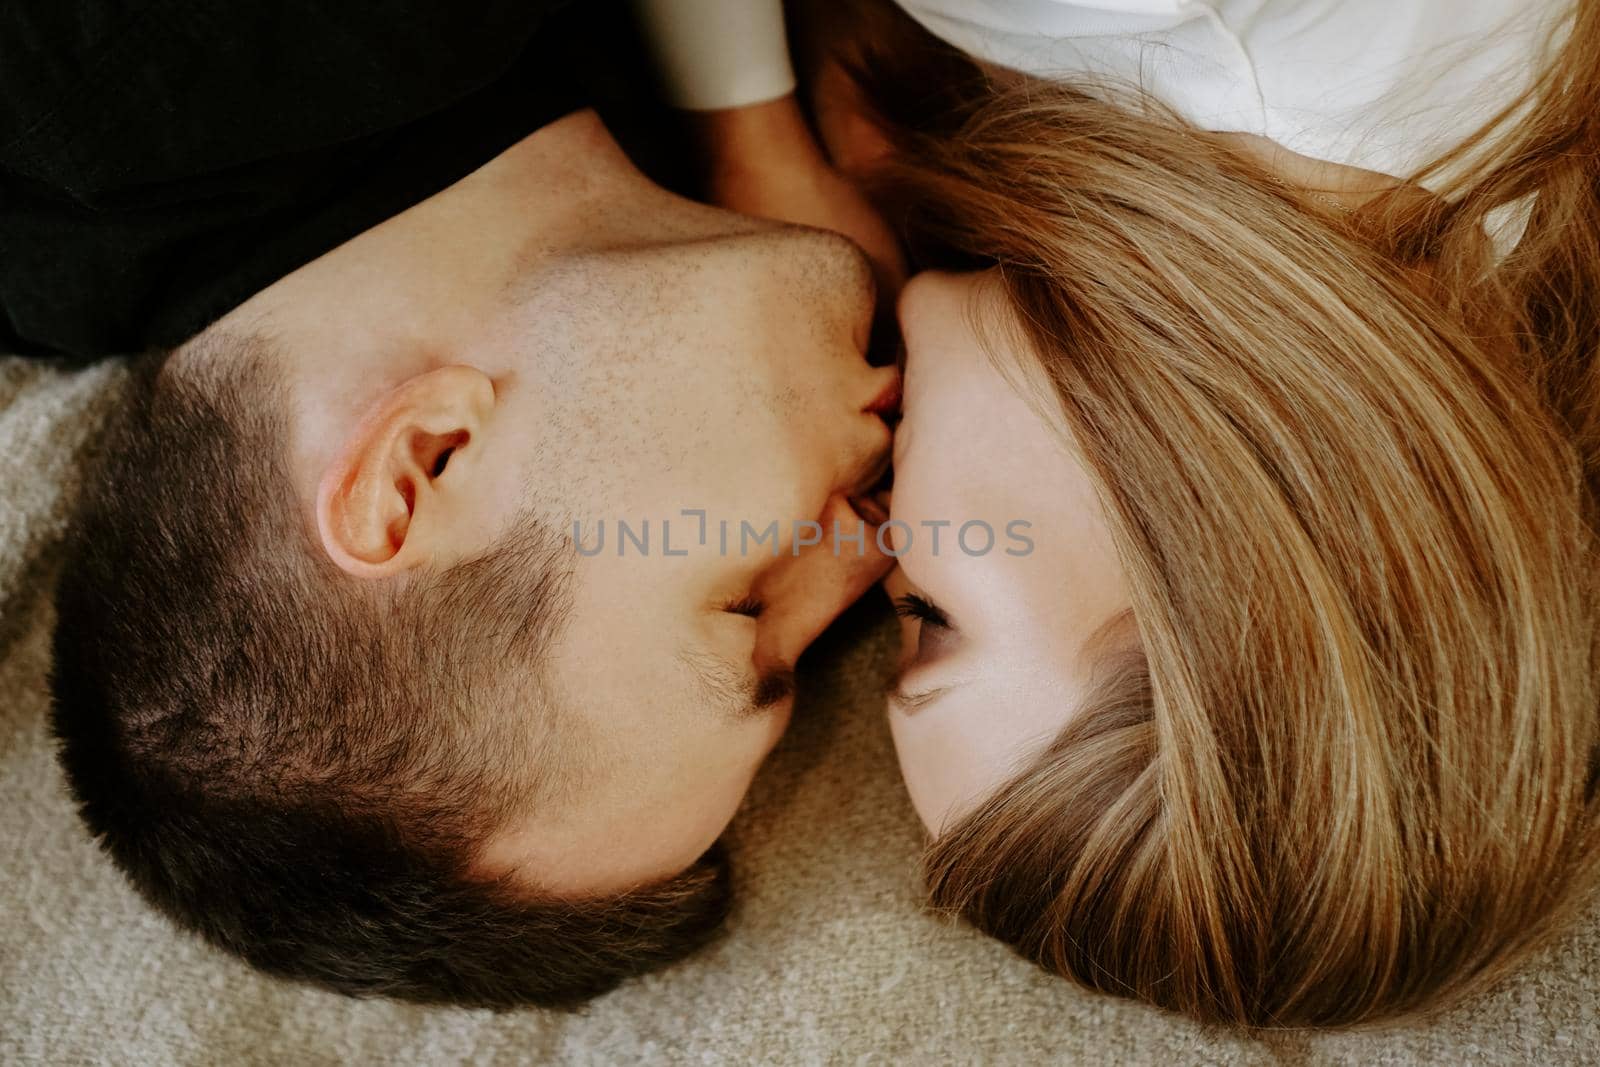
{"points": [[714, 54], [1385, 85]]}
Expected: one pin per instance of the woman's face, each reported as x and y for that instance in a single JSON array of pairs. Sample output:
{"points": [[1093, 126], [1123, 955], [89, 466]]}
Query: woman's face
{"points": [[1001, 655]]}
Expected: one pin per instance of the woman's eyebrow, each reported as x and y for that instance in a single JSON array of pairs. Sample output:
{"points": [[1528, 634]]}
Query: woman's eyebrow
{"points": [[909, 701]]}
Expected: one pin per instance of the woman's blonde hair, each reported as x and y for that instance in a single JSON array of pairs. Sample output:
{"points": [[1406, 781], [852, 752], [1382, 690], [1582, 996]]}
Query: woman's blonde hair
{"points": [[1348, 463]]}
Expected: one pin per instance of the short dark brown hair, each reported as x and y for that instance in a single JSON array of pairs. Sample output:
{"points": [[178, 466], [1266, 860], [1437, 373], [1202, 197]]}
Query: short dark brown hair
{"points": [[302, 767]]}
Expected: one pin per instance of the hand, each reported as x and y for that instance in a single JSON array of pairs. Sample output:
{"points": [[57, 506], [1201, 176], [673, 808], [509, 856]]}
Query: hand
{"points": [[763, 160]]}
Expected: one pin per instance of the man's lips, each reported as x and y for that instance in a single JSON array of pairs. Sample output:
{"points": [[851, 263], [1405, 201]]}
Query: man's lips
{"points": [[888, 401]]}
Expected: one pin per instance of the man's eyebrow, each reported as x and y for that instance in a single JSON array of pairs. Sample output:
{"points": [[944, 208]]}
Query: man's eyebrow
{"points": [[732, 686], [773, 687]]}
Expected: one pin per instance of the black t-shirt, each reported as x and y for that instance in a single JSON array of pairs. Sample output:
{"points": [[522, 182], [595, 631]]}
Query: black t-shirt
{"points": [[163, 160]]}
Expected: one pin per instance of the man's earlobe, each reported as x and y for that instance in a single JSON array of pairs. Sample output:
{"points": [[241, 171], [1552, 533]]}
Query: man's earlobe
{"points": [[381, 505]]}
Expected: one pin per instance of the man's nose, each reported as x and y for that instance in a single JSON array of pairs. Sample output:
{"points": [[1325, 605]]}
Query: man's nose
{"points": [[838, 560]]}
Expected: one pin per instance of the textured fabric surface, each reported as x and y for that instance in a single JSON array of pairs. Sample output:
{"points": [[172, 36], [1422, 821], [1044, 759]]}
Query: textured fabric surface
{"points": [[828, 959]]}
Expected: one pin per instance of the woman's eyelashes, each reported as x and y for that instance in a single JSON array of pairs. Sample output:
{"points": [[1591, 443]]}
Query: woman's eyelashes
{"points": [[914, 606], [935, 633], [749, 606]]}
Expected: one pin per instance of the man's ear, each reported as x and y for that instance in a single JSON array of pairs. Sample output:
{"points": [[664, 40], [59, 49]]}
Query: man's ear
{"points": [[381, 508]]}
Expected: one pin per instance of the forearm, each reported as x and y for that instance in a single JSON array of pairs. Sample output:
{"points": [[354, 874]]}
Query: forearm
{"points": [[734, 141], [725, 63]]}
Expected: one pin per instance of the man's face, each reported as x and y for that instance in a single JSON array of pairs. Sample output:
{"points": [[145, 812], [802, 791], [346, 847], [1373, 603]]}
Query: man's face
{"points": [[630, 359]]}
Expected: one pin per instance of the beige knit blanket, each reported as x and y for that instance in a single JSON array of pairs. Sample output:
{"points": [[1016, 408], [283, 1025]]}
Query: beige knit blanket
{"points": [[828, 959]]}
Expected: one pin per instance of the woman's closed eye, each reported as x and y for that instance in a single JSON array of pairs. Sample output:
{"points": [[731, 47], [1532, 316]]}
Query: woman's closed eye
{"points": [[936, 635]]}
